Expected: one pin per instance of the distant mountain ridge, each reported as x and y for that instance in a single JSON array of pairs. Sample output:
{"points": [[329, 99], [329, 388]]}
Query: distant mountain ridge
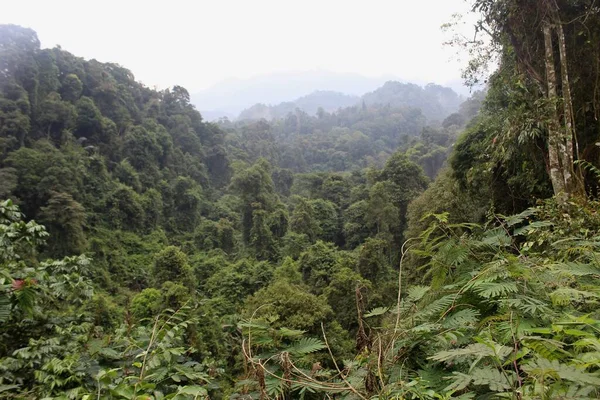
{"points": [[327, 100], [436, 102], [232, 96]]}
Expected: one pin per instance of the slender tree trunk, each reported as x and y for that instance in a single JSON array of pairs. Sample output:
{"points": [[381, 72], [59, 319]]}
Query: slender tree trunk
{"points": [[554, 135], [573, 181]]}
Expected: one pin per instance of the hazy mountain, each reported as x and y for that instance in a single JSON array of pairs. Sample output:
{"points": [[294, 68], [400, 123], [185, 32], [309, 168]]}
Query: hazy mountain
{"points": [[434, 101], [234, 95], [328, 100]]}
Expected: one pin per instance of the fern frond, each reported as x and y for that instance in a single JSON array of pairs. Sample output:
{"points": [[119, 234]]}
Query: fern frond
{"points": [[305, 346], [533, 226], [493, 271], [437, 307], [376, 312], [543, 368], [416, 293], [474, 350], [565, 295], [497, 238], [528, 305], [569, 269], [451, 253], [485, 376], [461, 319], [489, 290], [547, 348], [519, 218]]}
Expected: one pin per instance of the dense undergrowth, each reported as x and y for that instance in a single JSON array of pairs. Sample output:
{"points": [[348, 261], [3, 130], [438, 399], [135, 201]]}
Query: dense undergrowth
{"points": [[511, 312]]}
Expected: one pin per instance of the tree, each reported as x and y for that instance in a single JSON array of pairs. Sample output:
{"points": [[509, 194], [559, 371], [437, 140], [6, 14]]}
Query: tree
{"points": [[171, 264], [318, 264], [372, 261], [327, 216], [261, 237], [89, 120], [405, 182], [124, 208], [55, 116], [65, 219], [303, 220], [381, 210], [290, 305], [71, 88], [521, 28], [257, 192]]}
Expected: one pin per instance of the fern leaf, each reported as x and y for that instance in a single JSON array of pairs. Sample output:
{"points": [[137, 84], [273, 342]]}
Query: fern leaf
{"points": [[524, 230], [497, 238], [485, 376], [565, 295], [542, 368], [528, 305], [489, 290], [452, 253], [475, 350], [461, 319], [438, 306], [305, 346], [376, 311], [491, 377], [4, 388], [460, 382], [416, 293], [547, 348], [463, 354], [574, 269], [517, 219]]}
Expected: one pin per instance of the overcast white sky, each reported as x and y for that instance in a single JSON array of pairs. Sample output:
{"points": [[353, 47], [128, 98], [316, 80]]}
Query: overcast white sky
{"points": [[198, 43]]}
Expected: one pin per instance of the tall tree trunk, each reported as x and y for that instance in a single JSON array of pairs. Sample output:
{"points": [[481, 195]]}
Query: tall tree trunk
{"points": [[555, 144], [573, 181]]}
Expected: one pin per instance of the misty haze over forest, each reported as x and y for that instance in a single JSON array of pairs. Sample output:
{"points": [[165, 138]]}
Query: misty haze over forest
{"points": [[230, 97]]}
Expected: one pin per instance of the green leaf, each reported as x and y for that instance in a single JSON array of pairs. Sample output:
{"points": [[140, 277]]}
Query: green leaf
{"points": [[461, 319], [438, 306], [543, 368], [472, 351], [416, 293], [4, 388], [376, 311], [193, 390], [517, 219], [306, 346], [484, 376], [565, 295], [494, 289]]}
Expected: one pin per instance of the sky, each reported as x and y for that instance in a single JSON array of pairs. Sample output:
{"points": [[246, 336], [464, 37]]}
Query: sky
{"points": [[198, 43]]}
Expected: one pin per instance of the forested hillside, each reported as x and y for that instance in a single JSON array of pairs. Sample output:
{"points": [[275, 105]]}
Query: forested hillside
{"points": [[352, 138], [410, 246]]}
